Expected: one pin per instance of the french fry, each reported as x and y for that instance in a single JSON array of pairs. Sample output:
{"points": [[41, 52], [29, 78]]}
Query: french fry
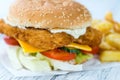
{"points": [[110, 45], [110, 56], [105, 46], [114, 40], [116, 27], [109, 17], [95, 22], [104, 26]]}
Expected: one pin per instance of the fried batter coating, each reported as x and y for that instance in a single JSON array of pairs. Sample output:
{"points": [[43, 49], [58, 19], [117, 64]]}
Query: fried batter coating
{"points": [[92, 37], [45, 40], [39, 38]]}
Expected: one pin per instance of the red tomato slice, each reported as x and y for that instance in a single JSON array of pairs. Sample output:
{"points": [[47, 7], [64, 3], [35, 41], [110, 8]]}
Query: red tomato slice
{"points": [[59, 55], [95, 50], [11, 41]]}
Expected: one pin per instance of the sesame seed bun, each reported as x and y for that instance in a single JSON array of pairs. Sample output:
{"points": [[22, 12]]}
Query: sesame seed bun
{"points": [[48, 14]]}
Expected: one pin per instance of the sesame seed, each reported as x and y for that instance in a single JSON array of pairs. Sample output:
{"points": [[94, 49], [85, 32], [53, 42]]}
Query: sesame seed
{"points": [[64, 9], [61, 24], [82, 21], [21, 15], [83, 15], [51, 36], [55, 16], [43, 15], [61, 8], [78, 10], [78, 18], [32, 14], [59, 17], [70, 14], [35, 21], [55, 7], [70, 4], [65, 3], [71, 23], [48, 22], [40, 14], [51, 12], [64, 20], [63, 13]]}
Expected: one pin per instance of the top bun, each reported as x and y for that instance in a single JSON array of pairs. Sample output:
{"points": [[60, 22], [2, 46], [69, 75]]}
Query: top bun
{"points": [[48, 14]]}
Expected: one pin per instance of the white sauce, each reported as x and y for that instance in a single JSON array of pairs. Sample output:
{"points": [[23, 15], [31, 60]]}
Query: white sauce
{"points": [[74, 32]]}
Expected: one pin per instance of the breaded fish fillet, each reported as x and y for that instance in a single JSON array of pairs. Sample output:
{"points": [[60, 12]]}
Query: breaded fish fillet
{"points": [[45, 40], [92, 37], [38, 38]]}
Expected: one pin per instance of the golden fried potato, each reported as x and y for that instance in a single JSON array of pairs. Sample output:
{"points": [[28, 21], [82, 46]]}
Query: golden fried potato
{"points": [[116, 27], [109, 17], [103, 26], [105, 46], [114, 40], [110, 56], [110, 45], [95, 22]]}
